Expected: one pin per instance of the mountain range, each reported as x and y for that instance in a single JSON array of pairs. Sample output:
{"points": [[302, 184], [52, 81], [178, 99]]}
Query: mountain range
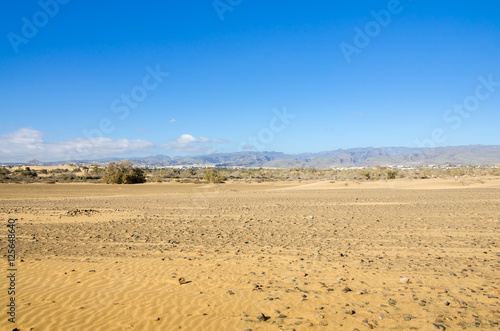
{"points": [[354, 157]]}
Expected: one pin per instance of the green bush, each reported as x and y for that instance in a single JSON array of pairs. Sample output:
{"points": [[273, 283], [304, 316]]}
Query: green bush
{"points": [[27, 172], [214, 177], [391, 174], [123, 173]]}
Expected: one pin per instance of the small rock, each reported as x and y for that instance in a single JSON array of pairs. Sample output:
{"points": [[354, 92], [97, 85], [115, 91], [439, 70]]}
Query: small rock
{"points": [[349, 312], [392, 302], [319, 315], [346, 289], [323, 323], [262, 317], [182, 281], [229, 292], [404, 280]]}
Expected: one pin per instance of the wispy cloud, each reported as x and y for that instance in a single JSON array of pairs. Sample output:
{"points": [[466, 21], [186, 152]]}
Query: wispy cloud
{"points": [[188, 144], [173, 120], [26, 144], [248, 147], [357, 113]]}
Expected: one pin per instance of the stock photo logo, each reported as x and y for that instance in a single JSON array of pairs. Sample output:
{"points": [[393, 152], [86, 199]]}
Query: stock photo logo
{"points": [[31, 26], [266, 135], [363, 36], [122, 106], [461, 111], [223, 6]]}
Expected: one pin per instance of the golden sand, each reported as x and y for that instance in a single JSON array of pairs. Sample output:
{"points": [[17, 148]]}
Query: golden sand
{"points": [[388, 255]]}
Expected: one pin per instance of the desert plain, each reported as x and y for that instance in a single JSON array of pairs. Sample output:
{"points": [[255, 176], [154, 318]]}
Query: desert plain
{"points": [[391, 255]]}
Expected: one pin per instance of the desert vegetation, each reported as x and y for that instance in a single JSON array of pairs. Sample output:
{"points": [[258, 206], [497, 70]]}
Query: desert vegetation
{"points": [[125, 172]]}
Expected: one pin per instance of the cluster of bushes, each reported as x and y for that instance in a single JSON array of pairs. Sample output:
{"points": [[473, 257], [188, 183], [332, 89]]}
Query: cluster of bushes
{"points": [[261, 174], [28, 175], [125, 173], [18, 175], [26, 172], [214, 177]]}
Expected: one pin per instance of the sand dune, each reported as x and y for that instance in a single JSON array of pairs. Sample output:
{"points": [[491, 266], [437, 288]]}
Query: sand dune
{"points": [[309, 256]]}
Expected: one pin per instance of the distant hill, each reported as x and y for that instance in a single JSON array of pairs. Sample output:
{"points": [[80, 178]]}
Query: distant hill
{"points": [[354, 157]]}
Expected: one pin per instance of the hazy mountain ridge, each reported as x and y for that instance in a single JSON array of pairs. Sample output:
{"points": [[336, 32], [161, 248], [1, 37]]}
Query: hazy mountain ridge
{"points": [[354, 157]]}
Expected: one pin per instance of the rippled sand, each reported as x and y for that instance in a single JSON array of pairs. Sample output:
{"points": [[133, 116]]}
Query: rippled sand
{"points": [[309, 256]]}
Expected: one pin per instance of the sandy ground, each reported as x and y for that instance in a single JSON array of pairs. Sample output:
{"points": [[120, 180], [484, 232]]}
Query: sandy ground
{"points": [[389, 255]]}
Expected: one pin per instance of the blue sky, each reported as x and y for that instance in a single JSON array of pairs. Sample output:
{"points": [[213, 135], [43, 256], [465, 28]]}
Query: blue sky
{"points": [[91, 79]]}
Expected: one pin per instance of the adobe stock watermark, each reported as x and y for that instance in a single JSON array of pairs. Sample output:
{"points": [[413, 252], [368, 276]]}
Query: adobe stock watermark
{"points": [[11, 269], [121, 106], [30, 27], [372, 29], [223, 6], [266, 135], [461, 111]]}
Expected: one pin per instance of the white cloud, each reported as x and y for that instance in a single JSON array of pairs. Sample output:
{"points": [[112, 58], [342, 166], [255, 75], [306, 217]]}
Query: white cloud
{"points": [[27, 144], [188, 144], [173, 120]]}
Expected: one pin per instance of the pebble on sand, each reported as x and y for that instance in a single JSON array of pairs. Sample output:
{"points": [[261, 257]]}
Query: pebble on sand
{"points": [[262, 317], [346, 289]]}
